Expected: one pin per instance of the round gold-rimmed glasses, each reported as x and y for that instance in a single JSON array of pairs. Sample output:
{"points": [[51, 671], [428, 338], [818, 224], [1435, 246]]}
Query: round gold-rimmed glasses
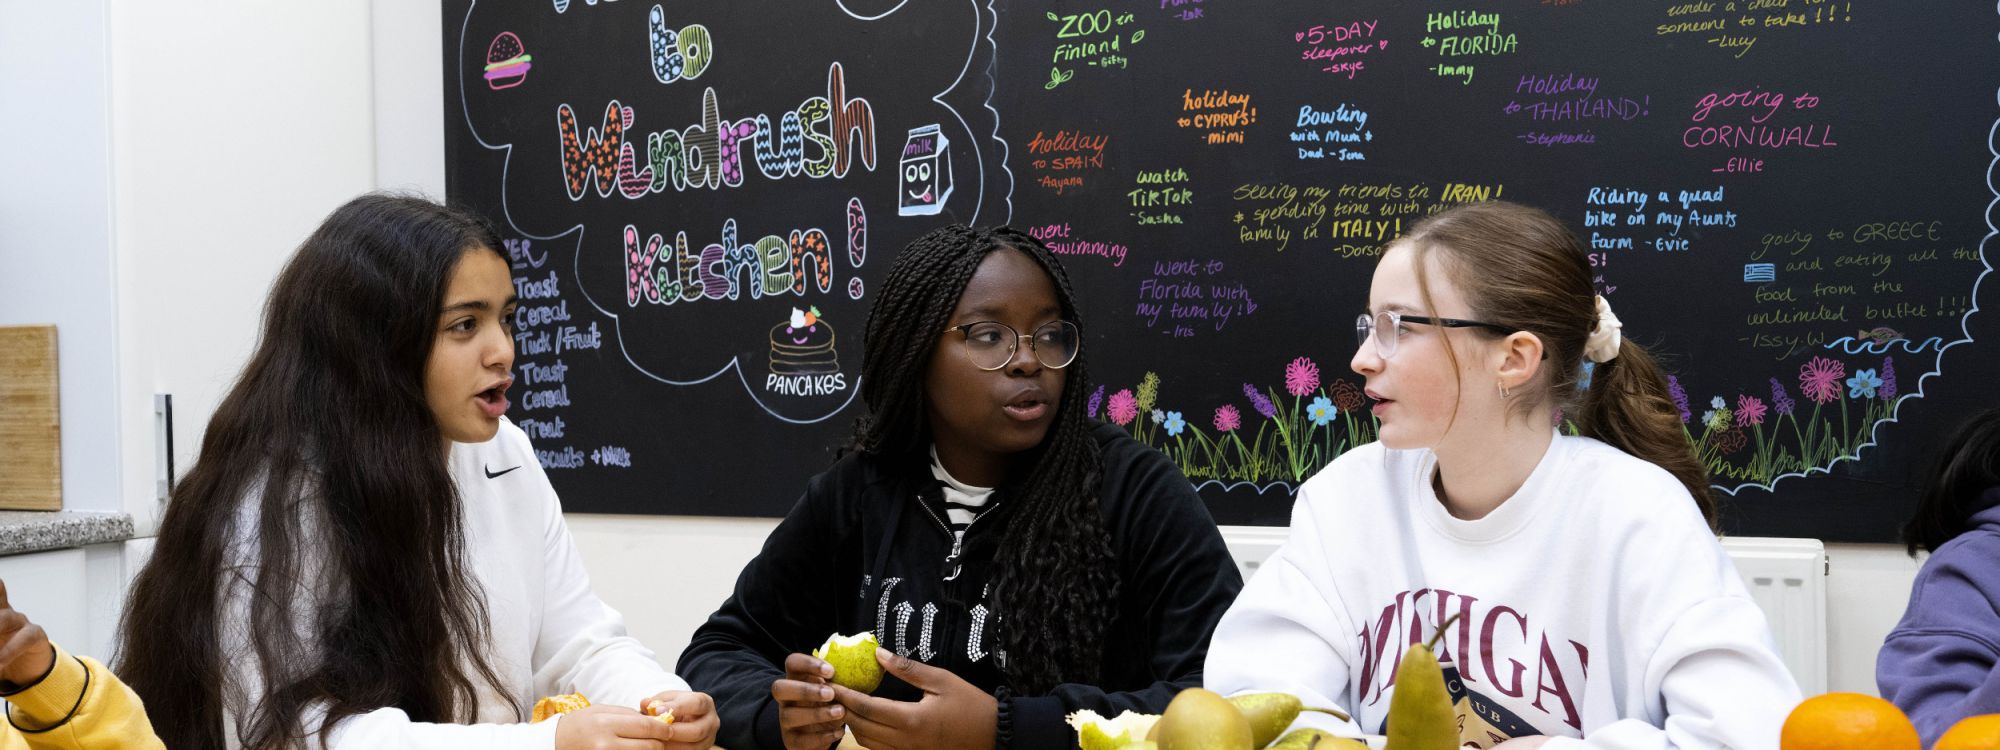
{"points": [[990, 345]]}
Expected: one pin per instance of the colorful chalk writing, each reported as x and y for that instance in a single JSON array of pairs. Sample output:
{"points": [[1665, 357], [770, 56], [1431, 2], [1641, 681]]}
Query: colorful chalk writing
{"points": [[1064, 159], [1160, 196], [1219, 115], [1735, 27], [1063, 240], [1778, 239], [1338, 133], [1184, 297], [794, 264], [545, 330], [1461, 36], [1348, 220], [1566, 108], [1098, 39], [1755, 124], [1183, 10], [1340, 48], [677, 54], [710, 154]]}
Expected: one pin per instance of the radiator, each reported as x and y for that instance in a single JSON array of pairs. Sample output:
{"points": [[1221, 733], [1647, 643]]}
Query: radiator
{"points": [[1787, 577]]}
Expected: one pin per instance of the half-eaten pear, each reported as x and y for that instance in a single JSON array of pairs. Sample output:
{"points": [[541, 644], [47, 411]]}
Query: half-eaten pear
{"points": [[853, 660], [1094, 732]]}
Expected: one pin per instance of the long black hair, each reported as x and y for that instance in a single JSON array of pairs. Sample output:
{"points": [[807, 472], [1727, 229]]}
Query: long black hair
{"points": [[360, 597], [1967, 467], [1056, 581]]}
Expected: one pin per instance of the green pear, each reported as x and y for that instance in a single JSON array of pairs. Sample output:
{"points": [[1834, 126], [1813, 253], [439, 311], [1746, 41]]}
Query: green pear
{"points": [[1316, 739], [1198, 719], [1270, 713], [1420, 713], [1094, 732], [853, 660]]}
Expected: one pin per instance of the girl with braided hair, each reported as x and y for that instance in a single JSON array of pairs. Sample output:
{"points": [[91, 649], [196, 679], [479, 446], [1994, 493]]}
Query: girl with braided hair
{"points": [[1016, 561], [1583, 598]]}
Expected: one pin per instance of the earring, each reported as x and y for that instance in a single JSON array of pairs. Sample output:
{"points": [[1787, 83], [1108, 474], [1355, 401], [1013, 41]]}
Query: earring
{"points": [[1503, 389]]}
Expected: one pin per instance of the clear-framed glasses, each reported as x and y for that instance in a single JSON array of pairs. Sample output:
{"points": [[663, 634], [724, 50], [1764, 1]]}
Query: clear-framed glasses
{"points": [[1387, 328], [990, 345]]}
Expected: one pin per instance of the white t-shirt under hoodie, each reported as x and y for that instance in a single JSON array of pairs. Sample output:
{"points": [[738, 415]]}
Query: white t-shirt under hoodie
{"points": [[1595, 607], [550, 634]]}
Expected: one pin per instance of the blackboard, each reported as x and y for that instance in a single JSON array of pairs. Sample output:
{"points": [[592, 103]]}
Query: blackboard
{"points": [[1790, 201]]}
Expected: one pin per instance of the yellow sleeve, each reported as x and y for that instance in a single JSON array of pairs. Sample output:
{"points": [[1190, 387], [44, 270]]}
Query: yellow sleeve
{"points": [[79, 705]]}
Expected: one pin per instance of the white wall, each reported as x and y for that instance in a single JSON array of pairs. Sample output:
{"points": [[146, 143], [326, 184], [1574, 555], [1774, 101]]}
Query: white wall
{"points": [[55, 223], [235, 130]]}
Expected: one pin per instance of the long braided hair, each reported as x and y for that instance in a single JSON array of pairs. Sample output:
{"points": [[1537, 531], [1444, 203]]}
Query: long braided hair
{"points": [[1056, 580]]}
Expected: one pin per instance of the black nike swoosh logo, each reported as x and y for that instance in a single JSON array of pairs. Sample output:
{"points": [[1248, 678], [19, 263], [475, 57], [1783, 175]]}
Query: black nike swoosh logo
{"points": [[490, 474]]}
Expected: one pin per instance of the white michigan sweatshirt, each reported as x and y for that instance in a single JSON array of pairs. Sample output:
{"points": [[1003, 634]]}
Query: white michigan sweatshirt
{"points": [[1594, 605], [550, 634]]}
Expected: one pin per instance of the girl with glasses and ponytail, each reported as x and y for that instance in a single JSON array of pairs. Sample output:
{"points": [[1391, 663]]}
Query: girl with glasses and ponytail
{"points": [[1016, 561], [1584, 597]]}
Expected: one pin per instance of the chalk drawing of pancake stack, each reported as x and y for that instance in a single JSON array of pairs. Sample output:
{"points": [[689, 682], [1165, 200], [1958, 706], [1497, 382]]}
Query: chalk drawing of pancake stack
{"points": [[803, 345]]}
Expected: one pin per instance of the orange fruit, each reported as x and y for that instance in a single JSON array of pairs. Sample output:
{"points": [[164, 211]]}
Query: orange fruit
{"points": [[1848, 721], [1972, 733]]}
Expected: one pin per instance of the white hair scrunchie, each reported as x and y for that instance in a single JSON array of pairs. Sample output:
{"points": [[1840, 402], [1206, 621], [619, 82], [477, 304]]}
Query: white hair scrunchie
{"points": [[1606, 336]]}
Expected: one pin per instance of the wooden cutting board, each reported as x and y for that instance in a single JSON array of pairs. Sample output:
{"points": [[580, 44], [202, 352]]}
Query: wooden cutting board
{"points": [[30, 423]]}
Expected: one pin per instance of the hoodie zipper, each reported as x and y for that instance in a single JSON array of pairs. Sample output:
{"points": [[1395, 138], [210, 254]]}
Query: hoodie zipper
{"points": [[948, 634], [957, 541]]}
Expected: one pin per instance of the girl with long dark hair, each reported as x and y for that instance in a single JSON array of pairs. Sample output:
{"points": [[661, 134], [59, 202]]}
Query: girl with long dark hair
{"points": [[1016, 562], [1578, 582], [366, 552]]}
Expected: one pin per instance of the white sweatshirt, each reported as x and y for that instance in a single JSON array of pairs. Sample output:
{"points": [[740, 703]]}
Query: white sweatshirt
{"points": [[549, 633], [1594, 603]]}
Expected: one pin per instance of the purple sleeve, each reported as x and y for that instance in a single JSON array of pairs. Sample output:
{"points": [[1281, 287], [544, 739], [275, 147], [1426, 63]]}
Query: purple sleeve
{"points": [[1938, 664]]}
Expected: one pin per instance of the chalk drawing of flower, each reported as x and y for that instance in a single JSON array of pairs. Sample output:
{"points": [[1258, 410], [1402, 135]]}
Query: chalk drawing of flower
{"points": [[1320, 411], [1259, 401], [1863, 384], [1780, 400], [1301, 377], [1749, 411], [1817, 378], [1680, 397], [1346, 396], [1227, 418], [1124, 408]]}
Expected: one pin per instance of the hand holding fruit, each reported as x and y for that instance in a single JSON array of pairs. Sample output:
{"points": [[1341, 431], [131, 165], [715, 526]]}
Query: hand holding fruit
{"points": [[953, 713], [808, 719], [691, 714], [608, 727]]}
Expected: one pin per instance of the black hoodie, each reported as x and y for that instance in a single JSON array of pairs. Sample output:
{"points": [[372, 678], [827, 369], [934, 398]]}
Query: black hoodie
{"points": [[868, 549]]}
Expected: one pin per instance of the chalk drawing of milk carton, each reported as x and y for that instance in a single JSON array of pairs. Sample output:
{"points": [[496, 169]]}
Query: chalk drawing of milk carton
{"points": [[926, 183]]}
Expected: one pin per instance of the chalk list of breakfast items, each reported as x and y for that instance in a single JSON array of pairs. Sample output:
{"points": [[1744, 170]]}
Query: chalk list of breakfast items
{"points": [[544, 332]]}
